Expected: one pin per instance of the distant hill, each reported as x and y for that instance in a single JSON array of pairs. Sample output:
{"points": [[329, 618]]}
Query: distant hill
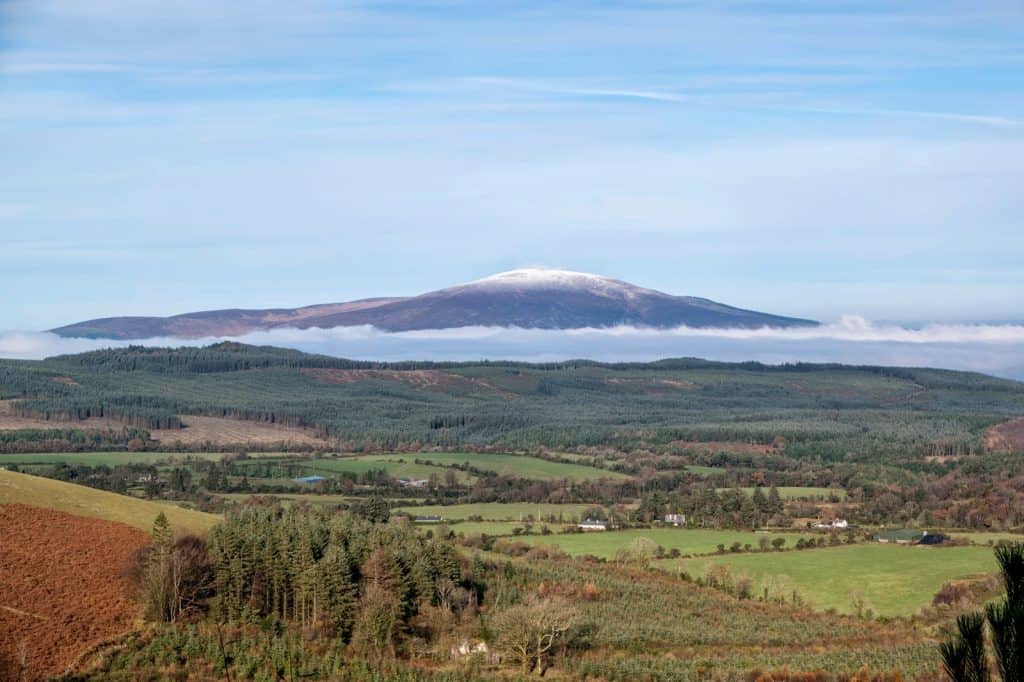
{"points": [[823, 412], [530, 299]]}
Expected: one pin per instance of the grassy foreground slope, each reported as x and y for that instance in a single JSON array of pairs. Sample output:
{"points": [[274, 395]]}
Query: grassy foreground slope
{"points": [[18, 488]]}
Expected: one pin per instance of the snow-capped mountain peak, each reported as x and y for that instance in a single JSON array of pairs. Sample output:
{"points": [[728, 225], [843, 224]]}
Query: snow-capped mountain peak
{"points": [[554, 279], [529, 298]]}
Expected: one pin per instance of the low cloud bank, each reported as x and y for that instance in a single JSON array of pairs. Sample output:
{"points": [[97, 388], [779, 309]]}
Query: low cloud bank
{"points": [[994, 349]]}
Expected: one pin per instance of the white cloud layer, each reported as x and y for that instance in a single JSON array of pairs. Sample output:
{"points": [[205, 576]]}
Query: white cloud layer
{"points": [[994, 349]]}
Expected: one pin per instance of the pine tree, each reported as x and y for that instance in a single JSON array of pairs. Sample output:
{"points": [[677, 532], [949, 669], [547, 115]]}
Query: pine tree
{"points": [[964, 656], [1007, 618]]}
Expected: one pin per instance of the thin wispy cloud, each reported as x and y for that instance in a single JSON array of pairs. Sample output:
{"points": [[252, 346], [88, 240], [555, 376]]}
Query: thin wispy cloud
{"points": [[557, 89], [35, 68], [979, 119]]}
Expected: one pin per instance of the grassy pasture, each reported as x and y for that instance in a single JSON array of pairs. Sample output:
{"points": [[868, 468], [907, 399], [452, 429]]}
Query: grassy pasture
{"points": [[310, 498], [291, 498], [798, 492], [468, 528], [105, 458], [398, 466], [606, 544], [404, 465], [894, 580], [981, 538], [520, 465], [496, 511], [83, 501]]}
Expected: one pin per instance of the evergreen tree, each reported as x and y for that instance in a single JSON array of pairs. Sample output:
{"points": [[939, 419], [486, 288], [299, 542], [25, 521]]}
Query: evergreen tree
{"points": [[1007, 617], [964, 655]]}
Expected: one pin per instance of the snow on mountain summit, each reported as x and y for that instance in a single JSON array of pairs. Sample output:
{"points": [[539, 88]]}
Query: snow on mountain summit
{"points": [[550, 278]]}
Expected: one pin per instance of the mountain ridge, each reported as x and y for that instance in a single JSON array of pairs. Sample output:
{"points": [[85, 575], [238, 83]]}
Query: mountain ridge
{"points": [[531, 298]]}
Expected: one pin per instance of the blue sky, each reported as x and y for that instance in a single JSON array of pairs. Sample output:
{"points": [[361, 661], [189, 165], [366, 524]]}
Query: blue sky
{"points": [[804, 158]]}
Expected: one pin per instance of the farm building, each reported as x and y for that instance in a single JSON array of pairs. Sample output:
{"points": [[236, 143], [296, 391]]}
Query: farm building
{"points": [[411, 483], [675, 519], [834, 523], [309, 479], [933, 539], [901, 536], [593, 524], [428, 519]]}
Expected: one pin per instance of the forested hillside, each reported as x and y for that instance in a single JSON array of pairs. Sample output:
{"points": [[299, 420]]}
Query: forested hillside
{"points": [[824, 412]]}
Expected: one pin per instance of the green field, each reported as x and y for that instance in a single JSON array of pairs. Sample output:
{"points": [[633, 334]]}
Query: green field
{"points": [[309, 498], [894, 581], [521, 466], [986, 538], [397, 466], [798, 492], [404, 466], [606, 544], [105, 458], [468, 528], [76, 499], [288, 498], [496, 511]]}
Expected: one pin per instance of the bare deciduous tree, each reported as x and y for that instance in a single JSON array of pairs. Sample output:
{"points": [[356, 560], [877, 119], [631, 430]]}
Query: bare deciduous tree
{"points": [[529, 632]]}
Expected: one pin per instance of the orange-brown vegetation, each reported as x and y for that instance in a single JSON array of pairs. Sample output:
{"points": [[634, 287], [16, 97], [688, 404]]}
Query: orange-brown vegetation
{"points": [[569, 590], [223, 431], [1006, 437], [62, 588]]}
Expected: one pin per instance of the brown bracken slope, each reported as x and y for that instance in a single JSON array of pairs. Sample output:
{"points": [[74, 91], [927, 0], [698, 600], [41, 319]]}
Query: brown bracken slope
{"points": [[1006, 437], [62, 588]]}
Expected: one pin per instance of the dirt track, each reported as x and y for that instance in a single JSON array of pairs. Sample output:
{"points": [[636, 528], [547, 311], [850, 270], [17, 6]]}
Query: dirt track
{"points": [[61, 587]]}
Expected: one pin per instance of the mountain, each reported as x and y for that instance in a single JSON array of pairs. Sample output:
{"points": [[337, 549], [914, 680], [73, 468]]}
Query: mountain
{"points": [[528, 298]]}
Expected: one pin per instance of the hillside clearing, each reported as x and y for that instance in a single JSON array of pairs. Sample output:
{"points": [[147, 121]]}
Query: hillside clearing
{"points": [[1006, 437], [220, 431], [798, 492]]}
